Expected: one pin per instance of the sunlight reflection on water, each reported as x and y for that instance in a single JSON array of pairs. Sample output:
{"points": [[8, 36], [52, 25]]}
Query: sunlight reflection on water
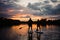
{"points": [[20, 32]]}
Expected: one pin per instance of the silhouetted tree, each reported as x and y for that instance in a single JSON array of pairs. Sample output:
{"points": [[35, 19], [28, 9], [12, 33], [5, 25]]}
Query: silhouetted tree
{"points": [[8, 22], [43, 21]]}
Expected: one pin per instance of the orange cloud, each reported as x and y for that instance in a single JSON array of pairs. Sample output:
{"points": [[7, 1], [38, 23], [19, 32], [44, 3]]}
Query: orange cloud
{"points": [[25, 17], [10, 10]]}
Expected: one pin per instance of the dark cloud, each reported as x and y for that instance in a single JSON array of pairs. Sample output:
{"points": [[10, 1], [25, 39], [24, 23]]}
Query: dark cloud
{"points": [[3, 6], [4, 15], [54, 0], [47, 9], [9, 1], [57, 10], [33, 6], [4, 9], [46, 1]]}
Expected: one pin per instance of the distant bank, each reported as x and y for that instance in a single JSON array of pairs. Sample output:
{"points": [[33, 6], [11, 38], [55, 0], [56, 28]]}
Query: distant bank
{"points": [[10, 22]]}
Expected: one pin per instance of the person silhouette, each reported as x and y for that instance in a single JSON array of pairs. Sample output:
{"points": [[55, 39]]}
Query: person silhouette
{"points": [[38, 25], [30, 23]]}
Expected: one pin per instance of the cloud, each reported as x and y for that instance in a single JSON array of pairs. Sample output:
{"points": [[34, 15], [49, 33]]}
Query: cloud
{"points": [[34, 6], [46, 7], [57, 10], [54, 17], [9, 8], [4, 15], [55, 0]]}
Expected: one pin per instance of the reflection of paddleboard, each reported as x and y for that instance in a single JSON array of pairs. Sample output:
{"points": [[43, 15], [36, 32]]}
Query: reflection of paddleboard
{"points": [[30, 32], [39, 32]]}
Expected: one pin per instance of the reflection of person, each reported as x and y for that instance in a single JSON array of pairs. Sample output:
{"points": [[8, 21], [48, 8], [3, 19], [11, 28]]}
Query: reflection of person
{"points": [[30, 34], [38, 36]]}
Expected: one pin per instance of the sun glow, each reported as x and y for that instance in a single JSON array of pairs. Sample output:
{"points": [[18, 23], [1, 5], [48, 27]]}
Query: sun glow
{"points": [[26, 17], [21, 10], [10, 10]]}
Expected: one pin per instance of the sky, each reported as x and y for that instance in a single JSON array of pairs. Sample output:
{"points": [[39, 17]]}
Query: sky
{"points": [[35, 9]]}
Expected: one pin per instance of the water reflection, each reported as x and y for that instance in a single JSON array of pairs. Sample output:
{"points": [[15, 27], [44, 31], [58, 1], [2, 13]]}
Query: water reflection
{"points": [[30, 34], [38, 32], [38, 36], [33, 32]]}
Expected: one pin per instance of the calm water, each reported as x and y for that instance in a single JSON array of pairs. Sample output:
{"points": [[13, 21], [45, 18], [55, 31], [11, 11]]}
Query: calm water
{"points": [[20, 32]]}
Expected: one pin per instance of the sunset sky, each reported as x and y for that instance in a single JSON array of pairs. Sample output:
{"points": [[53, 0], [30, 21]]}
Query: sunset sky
{"points": [[25, 9]]}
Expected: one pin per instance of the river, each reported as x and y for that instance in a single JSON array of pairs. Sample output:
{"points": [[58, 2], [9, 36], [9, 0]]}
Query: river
{"points": [[24, 32]]}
